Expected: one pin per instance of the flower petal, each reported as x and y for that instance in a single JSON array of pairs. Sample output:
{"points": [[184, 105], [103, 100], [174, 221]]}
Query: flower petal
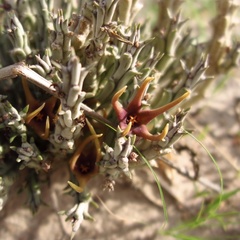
{"points": [[135, 105], [90, 157], [75, 187], [143, 132], [79, 150], [96, 141], [82, 178], [117, 106], [145, 116], [33, 114], [127, 129], [29, 97], [47, 129]]}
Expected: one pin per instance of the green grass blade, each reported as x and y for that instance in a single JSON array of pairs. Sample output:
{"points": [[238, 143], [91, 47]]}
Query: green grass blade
{"points": [[213, 160], [157, 182]]}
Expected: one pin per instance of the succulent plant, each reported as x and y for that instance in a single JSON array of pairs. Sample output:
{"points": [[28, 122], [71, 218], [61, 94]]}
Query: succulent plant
{"points": [[85, 84]]}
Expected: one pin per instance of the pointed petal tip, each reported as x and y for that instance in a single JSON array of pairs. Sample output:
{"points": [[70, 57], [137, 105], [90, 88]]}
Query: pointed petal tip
{"points": [[164, 132], [127, 129], [75, 187], [143, 132], [117, 95], [186, 94], [72, 235], [33, 114], [148, 79], [47, 129], [136, 102], [161, 136]]}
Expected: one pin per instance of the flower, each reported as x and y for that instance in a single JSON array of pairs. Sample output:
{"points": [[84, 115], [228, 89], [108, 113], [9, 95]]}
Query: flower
{"points": [[83, 162], [41, 116], [133, 119]]}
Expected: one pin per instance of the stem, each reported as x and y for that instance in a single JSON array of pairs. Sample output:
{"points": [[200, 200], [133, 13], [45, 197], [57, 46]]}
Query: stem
{"points": [[21, 69]]}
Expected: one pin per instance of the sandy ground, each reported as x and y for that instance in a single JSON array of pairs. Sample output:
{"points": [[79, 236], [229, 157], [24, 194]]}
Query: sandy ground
{"points": [[134, 210]]}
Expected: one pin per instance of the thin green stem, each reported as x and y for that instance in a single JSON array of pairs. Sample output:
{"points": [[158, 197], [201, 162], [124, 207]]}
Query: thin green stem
{"points": [[157, 182]]}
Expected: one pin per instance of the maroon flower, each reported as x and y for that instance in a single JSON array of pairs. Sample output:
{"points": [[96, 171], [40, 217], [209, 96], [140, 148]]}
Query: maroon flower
{"points": [[133, 119], [84, 161], [41, 116]]}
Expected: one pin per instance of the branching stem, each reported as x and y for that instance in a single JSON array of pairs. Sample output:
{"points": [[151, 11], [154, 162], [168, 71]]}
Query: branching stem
{"points": [[22, 70]]}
